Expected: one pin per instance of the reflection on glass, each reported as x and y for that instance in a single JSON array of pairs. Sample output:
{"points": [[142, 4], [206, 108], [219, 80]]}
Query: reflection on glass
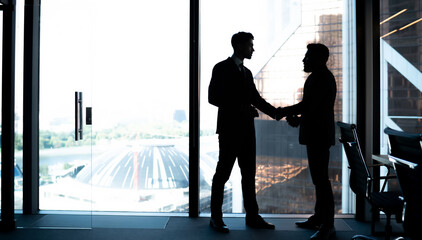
{"points": [[130, 60], [283, 183], [401, 66]]}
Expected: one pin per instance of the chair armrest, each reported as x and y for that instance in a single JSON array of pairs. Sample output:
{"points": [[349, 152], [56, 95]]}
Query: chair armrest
{"points": [[387, 177], [385, 182], [411, 165], [377, 165]]}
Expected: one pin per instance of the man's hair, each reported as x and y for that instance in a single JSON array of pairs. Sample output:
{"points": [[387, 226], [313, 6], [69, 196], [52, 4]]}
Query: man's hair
{"points": [[319, 50], [240, 38]]}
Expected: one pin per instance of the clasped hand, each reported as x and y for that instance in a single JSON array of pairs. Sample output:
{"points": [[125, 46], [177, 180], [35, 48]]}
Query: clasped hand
{"points": [[292, 120], [279, 113]]}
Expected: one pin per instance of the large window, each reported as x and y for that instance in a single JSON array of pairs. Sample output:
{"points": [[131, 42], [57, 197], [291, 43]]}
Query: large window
{"points": [[401, 66], [130, 60], [283, 182]]}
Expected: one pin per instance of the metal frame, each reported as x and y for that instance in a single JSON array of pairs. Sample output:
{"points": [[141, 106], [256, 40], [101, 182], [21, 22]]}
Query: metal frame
{"points": [[8, 222], [31, 107], [194, 109], [368, 88]]}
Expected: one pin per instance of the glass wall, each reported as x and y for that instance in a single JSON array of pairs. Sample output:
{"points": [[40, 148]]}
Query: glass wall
{"points": [[19, 103], [131, 62], [282, 29], [130, 59], [401, 66]]}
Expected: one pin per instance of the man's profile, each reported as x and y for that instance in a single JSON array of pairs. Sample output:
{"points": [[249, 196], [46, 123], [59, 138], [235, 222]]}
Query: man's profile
{"points": [[233, 91], [316, 132]]}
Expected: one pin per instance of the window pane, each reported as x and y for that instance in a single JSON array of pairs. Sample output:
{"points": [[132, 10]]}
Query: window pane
{"points": [[401, 66], [134, 57], [141, 106], [282, 29], [19, 103], [65, 67]]}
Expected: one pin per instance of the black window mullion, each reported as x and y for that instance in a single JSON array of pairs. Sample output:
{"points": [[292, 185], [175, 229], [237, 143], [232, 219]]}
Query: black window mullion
{"points": [[194, 109], [8, 117], [31, 107]]}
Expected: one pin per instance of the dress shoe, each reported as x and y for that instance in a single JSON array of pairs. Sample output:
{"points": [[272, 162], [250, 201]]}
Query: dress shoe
{"points": [[218, 225], [309, 223], [324, 233], [258, 222]]}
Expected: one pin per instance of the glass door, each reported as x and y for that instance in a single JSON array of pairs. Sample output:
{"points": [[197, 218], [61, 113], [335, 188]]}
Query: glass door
{"points": [[130, 61], [140, 106], [65, 135]]}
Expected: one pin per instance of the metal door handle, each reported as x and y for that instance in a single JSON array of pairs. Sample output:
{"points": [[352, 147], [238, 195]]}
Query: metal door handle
{"points": [[78, 116]]}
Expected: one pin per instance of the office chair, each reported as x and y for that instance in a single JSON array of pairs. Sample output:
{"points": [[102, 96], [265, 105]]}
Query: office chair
{"points": [[361, 182], [406, 155]]}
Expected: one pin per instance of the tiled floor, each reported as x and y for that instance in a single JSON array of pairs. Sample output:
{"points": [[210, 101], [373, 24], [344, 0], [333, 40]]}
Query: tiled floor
{"points": [[103, 227]]}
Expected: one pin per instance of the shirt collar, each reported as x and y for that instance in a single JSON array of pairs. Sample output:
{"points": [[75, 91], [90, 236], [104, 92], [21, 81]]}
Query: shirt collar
{"points": [[237, 60]]}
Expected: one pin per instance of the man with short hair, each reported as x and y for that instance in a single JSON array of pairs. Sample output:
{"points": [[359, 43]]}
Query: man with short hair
{"points": [[316, 131], [233, 91]]}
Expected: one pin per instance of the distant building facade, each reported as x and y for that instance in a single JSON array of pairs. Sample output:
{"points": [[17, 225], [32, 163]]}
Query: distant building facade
{"points": [[284, 184]]}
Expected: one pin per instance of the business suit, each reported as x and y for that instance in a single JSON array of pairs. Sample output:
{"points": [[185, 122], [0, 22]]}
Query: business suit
{"points": [[234, 93], [317, 133]]}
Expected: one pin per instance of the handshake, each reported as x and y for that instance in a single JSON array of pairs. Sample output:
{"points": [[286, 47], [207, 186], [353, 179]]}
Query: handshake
{"points": [[292, 120], [280, 113]]}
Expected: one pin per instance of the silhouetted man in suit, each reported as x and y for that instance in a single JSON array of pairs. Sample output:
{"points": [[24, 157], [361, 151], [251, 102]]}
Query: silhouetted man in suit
{"points": [[233, 91], [317, 133]]}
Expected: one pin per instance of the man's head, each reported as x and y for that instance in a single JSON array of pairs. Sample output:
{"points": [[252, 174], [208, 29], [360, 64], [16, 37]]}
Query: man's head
{"points": [[316, 57], [242, 43]]}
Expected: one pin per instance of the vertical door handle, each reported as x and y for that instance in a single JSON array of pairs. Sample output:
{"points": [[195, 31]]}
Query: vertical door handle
{"points": [[78, 116]]}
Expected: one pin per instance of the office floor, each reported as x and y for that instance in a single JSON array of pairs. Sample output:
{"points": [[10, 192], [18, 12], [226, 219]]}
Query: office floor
{"points": [[64, 227]]}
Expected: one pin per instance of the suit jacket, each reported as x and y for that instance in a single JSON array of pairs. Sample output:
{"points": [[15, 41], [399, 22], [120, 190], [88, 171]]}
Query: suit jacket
{"points": [[317, 109], [235, 95]]}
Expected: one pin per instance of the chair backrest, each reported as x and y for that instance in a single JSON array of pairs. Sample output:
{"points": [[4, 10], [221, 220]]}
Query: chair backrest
{"points": [[359, 173], [410, 180], [405, 145], [406, 155]]}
